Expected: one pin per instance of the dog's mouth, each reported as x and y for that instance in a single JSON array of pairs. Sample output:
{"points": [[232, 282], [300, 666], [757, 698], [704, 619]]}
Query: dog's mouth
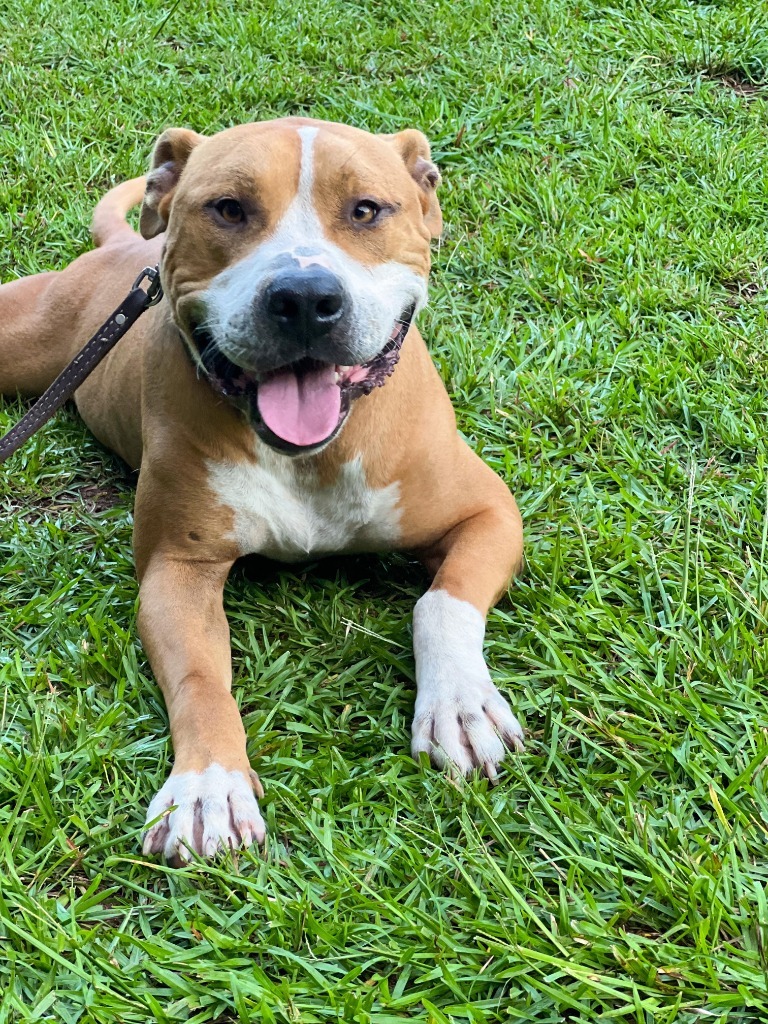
{"points": [[302, 406]]}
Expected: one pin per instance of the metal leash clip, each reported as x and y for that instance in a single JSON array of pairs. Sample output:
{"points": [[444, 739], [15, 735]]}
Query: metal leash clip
{"points": [[155, 290]]}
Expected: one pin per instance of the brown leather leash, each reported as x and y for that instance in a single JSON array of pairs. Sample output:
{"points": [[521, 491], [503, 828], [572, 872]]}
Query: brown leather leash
{"points": [[86, 360]]}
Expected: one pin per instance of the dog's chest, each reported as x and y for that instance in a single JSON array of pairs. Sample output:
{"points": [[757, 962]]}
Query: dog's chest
{"points": [[281, 510]]}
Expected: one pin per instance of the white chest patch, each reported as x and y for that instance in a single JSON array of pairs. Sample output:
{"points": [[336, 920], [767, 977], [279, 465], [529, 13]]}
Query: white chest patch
{"points": [[283, 512]]}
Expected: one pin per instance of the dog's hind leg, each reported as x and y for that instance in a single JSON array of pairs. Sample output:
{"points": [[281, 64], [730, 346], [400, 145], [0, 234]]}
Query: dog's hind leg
{"points": [[45, 318], [33, 348]]}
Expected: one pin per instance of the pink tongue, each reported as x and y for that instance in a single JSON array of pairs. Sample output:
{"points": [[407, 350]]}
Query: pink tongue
{"points": [[301, 410]]}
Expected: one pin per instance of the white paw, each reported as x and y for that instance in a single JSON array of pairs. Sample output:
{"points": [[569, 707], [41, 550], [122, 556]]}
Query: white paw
{"points": [[213, 810], [467, 724], [461, 719]]}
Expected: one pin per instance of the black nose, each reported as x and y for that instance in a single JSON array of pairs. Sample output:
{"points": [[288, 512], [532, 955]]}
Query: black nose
{"points": [[305, 304]]}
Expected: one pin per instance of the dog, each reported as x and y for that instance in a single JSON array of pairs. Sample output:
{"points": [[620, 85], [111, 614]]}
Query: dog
{"points": [[279, 400]]}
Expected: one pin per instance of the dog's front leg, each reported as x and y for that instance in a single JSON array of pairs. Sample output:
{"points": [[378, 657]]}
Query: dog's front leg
{"points": [[186, 637], [461, 720]]}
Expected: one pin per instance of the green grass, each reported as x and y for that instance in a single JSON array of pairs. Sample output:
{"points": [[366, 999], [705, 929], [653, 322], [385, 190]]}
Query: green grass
{"points": [[599, 316]]}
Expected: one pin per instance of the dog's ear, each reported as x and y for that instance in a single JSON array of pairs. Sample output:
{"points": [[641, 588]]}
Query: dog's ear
{"points": [[170, 155], [414, 149]]}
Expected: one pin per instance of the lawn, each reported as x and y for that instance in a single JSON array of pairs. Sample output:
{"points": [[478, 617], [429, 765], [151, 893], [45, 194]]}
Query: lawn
{"points": [[598, 313]]}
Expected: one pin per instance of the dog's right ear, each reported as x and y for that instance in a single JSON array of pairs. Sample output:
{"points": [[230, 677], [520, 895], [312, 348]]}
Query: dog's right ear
{"points": [[170, 155]]}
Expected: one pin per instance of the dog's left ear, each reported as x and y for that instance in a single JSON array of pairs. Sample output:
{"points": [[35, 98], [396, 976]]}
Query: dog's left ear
{"points": [[170, 155], [414, 149]]}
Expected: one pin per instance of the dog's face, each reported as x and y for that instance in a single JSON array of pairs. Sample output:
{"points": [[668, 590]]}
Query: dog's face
{"points": [[296, 253]]}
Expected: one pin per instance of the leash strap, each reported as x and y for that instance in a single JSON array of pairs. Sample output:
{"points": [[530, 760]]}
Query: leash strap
{"points": [[86, 360]]}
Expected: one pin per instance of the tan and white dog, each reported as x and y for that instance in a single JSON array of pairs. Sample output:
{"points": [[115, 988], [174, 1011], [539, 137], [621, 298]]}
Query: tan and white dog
{"points": [[293, 254]]}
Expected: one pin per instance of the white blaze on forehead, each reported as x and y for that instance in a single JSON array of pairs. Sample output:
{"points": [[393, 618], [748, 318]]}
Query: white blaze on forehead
{"points": [[300, 227], [307, 166]]}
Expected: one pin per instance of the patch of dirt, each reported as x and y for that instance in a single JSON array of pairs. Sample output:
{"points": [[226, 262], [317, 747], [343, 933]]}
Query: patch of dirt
{"points": [[741, 291], [737, 82], [99, 497], [94, 497]]}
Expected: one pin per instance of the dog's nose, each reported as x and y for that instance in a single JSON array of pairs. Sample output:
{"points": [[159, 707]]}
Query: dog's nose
{"points": [[305, 304]]}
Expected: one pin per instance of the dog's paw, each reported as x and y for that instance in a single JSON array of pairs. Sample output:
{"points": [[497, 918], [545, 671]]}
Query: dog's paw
{"points": [[461, 719], [465, 727], [212, 810]]}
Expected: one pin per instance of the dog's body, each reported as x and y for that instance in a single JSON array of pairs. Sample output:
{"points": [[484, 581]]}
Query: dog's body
{"points": [[293, 254]]}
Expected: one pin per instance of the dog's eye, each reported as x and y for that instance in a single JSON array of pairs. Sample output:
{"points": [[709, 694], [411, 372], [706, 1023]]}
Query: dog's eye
{"points": [[230, 211], [365, 212]]}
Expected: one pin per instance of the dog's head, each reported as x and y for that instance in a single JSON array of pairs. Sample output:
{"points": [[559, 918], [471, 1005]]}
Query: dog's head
{"points": [[296, 253]]}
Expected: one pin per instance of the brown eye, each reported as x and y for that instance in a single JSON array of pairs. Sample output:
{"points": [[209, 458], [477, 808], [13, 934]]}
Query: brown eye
{"points": [[230, 211], [365, 212]]}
